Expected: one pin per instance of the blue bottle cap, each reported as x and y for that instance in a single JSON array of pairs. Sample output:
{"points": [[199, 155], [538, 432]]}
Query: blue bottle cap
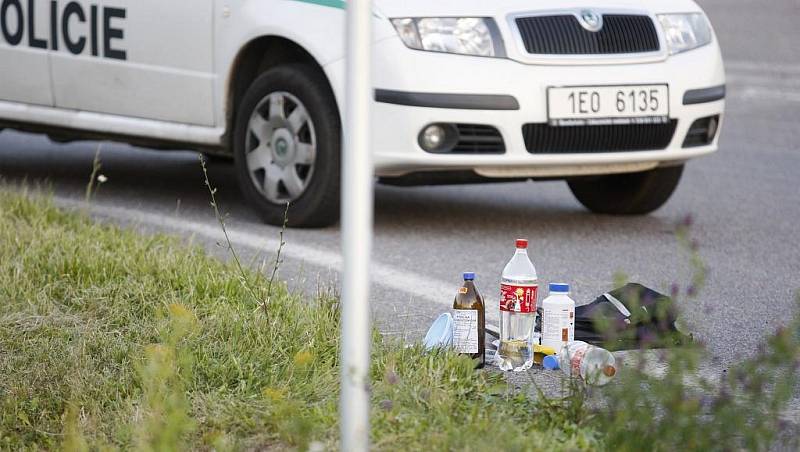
{"points": [[559, 287], [550, 362], [469, 276]]}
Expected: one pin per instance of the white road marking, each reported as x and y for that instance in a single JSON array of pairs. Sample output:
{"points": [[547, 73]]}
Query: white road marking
{"points": [[760, 67], [775, 83], [764, 87], [398, 279], [753, 81], [762, 93]]}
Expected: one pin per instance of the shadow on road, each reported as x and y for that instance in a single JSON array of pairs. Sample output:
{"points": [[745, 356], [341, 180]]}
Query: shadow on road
{"points": [[168, 179]]}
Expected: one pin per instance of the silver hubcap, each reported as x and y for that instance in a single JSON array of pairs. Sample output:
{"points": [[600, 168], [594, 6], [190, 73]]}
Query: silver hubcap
{"points": [[281, 147]]}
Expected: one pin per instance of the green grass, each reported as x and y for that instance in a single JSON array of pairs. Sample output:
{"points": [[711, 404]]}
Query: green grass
{"points": [[112, 340]]}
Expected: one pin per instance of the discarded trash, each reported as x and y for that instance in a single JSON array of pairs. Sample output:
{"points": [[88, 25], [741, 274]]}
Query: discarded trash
{"points": [[490, 355], [440, 334], [595, 365], [629, 317], [469, 321], [558, 316], [540, 352], [550, 362], [518, 292], [536, 338], [624, 318]]}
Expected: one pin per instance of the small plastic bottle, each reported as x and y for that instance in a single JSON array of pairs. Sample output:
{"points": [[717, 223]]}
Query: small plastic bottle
{"points": [[558, 317], [595, 365]]}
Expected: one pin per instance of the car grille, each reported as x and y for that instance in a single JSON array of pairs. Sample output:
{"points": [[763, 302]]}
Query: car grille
{"points": [[478, 139], [547, 139], [564, 35]]}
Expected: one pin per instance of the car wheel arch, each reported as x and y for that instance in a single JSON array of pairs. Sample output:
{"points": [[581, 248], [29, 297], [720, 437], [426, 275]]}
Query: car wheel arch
{"points": [[253, 59]]}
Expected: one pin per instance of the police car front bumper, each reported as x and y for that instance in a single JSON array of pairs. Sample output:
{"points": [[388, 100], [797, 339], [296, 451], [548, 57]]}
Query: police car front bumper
{"points": [[415, 89]]}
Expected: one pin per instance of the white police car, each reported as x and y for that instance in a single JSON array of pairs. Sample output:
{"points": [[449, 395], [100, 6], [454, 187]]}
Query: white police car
{"points": [[611, 95]]}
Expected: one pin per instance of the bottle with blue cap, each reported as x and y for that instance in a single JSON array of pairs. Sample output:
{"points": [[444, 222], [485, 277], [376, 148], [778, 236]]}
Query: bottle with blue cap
{"points": [[558, 317], [469, 321]]}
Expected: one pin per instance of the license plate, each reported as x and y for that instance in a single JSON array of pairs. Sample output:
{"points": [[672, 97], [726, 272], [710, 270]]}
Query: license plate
{"points": [[599, 105]]}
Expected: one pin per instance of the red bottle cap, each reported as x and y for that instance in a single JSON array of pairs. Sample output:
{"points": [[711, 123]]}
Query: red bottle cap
{"points": [[522, 243]]}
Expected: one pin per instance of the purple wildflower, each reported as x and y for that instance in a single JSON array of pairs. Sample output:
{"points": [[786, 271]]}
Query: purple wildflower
{"points": [[391, 377]]}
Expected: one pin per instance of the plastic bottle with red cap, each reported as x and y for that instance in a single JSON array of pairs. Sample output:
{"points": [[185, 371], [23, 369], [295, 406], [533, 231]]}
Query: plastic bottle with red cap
{"points": [[518, 297]]}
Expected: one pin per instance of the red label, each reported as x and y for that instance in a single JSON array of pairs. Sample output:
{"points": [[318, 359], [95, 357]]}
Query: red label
{"points": [[577, 360], [514, 298]]}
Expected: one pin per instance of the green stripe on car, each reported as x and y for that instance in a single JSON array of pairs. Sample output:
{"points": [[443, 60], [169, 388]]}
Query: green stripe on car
{"points": [[331, 3]]}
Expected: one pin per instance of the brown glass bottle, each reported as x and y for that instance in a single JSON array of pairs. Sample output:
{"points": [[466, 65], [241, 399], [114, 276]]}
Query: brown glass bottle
{"points": [[469, 321]]}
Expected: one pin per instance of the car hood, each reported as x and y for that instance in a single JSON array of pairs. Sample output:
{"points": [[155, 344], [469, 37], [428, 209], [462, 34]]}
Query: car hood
{"points": [[484, 8]]}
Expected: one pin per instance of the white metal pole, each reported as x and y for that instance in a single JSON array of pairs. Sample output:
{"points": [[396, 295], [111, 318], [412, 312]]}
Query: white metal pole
{"points": [[357, 196]]}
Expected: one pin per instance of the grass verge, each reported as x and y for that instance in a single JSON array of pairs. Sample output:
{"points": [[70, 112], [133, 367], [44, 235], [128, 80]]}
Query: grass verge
{"points": [[113, 340]]}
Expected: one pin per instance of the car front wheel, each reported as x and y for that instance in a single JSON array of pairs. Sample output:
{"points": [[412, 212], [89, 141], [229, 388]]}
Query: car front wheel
{"points": [[287, 147], [627, 194]]}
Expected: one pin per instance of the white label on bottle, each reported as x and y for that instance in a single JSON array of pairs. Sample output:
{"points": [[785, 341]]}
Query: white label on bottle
{"points": [[558, 325], [465, 330]]}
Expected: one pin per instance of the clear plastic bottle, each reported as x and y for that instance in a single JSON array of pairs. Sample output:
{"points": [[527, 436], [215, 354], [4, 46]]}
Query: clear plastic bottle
{"points": [[558, 317], [518, 295], [595, 365]]}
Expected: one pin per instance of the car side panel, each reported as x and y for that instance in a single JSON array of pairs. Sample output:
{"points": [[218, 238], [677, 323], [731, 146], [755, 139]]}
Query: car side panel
{"points": [[318, 26], [158, 67], [24, 66], [315, 27]]}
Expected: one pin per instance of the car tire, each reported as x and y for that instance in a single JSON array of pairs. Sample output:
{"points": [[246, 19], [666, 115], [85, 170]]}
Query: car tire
{"points": [[627, 194], [287, 147]]}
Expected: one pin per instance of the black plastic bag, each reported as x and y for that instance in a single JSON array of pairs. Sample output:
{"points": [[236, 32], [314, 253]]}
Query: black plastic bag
{"points": [[630, 317]]}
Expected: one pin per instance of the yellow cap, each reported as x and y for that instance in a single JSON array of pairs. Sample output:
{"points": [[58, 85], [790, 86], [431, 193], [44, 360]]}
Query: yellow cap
{"points": [[543, 349]]}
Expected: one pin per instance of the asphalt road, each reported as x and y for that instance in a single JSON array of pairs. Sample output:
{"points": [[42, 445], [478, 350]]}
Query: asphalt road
{"points": [[744, 202]]}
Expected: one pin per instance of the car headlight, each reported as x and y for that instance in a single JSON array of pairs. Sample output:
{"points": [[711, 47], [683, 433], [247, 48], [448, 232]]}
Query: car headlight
{"points": [[685, 31], [462, 35]]}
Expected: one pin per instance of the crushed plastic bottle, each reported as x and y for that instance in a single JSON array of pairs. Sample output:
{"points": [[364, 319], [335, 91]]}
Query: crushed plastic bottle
{"points": [[595, 365]]}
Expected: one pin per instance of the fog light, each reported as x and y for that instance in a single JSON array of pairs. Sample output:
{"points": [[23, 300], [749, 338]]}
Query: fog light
{"points": [[712, 128], [433, 137], [438, 138], [702, 132]]}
